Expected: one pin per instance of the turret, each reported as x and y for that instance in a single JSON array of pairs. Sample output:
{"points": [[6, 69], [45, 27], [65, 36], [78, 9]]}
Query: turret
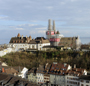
{"points": [[18, 35]]}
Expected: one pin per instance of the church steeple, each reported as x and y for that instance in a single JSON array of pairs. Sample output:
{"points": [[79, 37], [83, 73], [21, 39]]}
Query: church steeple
{"points": [[49, 24], [54, 26]]}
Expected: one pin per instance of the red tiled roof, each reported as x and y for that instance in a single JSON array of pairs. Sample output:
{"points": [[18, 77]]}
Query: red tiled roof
{"points": [[58, 67], [11, 71]]}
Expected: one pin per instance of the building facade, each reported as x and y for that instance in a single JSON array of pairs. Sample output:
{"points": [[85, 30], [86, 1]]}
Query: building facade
{"points": [[52, 35], [31, 75], [85, 80], [25, 43], [40, 74], [56, 39]]}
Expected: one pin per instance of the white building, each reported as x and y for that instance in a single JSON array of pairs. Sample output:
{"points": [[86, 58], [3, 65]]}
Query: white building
{"points": [[72, 79], [40, 74], [20, 42], [5, 51], [23, 73], [85, 80]]}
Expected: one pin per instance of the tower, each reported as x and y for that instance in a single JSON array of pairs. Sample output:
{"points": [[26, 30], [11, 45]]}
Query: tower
{"points": [[54, 26], [50, 31], [51, 34], [49, 24]]}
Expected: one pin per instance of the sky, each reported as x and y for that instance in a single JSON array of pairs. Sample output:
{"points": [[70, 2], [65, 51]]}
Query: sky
{"points": [[30, 17]]}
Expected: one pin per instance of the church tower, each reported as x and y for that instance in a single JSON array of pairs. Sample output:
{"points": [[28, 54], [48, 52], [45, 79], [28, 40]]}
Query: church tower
{"points": [[50, 31]]}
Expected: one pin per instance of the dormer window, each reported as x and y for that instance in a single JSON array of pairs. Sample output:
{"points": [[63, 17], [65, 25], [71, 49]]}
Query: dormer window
{"points": [[16, 41], [52, 71], [21, 41], [13, 41], [57, 68]]}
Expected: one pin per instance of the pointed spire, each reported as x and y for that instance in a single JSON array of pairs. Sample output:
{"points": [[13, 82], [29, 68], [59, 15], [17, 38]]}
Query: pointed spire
{"points": [[49, 24], [54, 25]]}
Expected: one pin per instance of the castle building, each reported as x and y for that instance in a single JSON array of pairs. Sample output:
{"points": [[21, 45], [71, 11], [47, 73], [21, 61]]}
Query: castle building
{"points": [[25, 43], [54, 38]]}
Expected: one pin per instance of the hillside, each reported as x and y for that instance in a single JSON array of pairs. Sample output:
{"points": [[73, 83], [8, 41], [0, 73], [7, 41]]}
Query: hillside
{"points": [[28, 59]]}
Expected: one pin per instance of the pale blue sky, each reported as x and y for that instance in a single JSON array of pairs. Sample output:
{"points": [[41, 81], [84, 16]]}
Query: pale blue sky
{"points": [[30, 17]]}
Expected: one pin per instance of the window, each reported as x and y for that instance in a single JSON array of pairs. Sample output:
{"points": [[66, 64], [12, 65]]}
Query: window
{"points": [[82, 85], [32, 46], [87, 81], [82, 81], [57, 68]]}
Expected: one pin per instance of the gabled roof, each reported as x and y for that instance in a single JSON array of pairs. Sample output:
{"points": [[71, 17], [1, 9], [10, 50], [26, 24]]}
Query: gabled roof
{"points": [[40, 38], [28, 40], [11, 71], [48, 66], [34, 42], [3, 76], [11, 80], [33, 70], [59, 69], [78, 69], [18, 39]]}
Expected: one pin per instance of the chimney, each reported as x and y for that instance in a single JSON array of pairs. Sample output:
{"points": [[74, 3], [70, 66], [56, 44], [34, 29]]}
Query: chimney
{"points": [[49, 24], [22, 37], [26, 36], [65, 64], [3, 70], [54, 25], [18, 35], [74, 65], [41, 39], [30, 37], [46, 65]]}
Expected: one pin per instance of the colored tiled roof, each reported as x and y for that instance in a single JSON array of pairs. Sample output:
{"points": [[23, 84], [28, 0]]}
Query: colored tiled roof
{"points": [[11, 71], [3, 76], [28, 40]]}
